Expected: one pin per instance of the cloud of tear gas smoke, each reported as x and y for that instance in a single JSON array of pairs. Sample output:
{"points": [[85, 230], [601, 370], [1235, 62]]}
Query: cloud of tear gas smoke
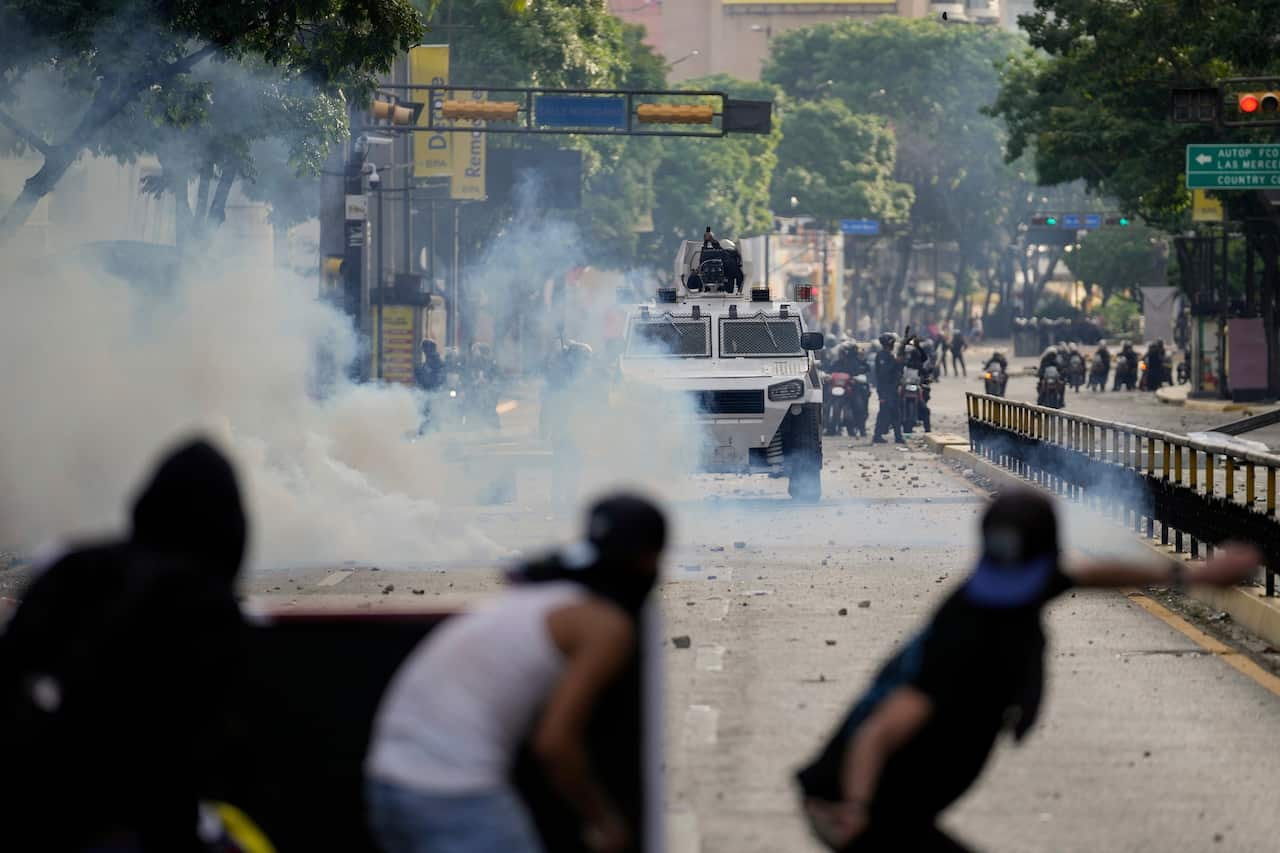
{"points": [[103, 374], [622, 436], [1083, 527]]}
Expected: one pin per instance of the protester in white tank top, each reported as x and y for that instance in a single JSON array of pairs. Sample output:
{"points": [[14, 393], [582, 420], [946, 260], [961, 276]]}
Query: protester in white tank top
{"points": [[527, 667]]}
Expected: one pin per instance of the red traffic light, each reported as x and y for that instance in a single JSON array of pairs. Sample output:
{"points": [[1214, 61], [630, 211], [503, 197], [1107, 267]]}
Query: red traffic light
{"points": [[1249, 103]]}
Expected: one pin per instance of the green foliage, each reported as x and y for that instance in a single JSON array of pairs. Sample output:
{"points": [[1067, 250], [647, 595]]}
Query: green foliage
{"points": [[838, 165], [1120, 315], [126, 77], [1117, 260], [929, 82], [552, 43], [723, 182], [1093, 103]]}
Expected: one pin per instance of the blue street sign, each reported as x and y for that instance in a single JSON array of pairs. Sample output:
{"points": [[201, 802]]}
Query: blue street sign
{"points": [[864, 227], [1093, 220], [1070, 220], [580, 111]]}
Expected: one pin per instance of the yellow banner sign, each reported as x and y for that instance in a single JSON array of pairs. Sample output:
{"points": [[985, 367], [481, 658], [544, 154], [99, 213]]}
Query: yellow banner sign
{"points": [[469, 160], [429, 66], [398, 356], [1205, 209]]}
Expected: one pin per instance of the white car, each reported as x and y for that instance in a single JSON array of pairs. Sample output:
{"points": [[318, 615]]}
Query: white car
{"points": [[745, 365]]}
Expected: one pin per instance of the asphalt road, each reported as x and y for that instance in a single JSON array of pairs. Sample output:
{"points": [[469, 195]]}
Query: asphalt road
{"points": [[1145, 743]]}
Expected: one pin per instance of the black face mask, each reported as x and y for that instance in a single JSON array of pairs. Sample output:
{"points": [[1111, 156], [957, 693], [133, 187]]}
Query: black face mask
{"points": [[627, 589], [606, 577]]}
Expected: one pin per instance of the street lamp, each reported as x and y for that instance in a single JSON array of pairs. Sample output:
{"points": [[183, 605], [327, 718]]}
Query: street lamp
{"points": [[692, 53]]}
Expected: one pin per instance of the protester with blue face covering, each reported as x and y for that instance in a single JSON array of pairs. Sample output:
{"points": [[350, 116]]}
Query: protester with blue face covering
{"points": [[921, 734]]}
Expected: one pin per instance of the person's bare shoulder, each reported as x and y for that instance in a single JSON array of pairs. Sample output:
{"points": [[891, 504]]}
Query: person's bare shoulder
{"points": [[590, 621]]}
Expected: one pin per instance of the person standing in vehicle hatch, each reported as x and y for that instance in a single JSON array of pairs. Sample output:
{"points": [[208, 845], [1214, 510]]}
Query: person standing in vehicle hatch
{"points": [[888, 373], [527, 667], [920, 735]]}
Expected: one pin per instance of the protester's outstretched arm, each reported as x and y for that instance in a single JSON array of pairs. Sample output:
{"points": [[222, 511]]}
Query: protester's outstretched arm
{"points": [[1231, 563], [897, 719]]}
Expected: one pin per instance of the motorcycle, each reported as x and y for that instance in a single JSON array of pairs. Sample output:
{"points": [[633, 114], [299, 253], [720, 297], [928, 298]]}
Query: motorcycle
{"points": [[1147, 381], [911, 395], [1098, 374], [1126, 375], [849, 405], [1051, 390], [1075, 371], [1184, 368], [995, 378]]}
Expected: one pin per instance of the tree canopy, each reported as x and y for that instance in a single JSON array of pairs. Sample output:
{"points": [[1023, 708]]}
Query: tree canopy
{"points": [[107, 72], [838, 165], [721, 182], [1091, 101]]}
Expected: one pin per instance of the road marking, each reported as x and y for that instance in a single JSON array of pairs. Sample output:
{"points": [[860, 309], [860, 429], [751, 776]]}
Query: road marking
{"points": [[700, 723], [710, 658], [682, 833], [335, 578], [1237, 661]]}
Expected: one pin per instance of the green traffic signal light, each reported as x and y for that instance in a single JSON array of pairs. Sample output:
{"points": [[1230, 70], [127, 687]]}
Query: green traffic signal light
{"points": [[1051, 220], [1124, 220]]}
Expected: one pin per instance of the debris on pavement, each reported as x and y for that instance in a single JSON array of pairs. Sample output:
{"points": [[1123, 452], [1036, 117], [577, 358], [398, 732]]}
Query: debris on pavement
{"points": [[681, 642]]}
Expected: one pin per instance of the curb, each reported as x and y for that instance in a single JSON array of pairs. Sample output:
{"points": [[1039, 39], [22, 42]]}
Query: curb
{"points": [[939, 441], [1246, 605], [1177, 396]]}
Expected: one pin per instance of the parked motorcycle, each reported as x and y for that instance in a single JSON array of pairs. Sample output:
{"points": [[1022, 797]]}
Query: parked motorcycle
{"points": [[1075, 371], [1098, 373], [911, 394], [1051, 390], [995, 379], [1184, 368], [850, 399]]}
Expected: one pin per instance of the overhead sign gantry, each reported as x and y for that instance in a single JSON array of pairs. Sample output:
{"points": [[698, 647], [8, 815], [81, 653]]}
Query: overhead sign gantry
{"points": [[591, 112]]}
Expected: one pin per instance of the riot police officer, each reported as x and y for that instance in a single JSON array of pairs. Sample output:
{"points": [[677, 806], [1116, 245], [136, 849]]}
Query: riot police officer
{"points": [[888, 373]]}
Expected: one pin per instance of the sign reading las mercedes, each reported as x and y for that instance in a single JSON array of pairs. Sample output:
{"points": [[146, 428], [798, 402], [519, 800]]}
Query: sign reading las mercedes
{"points": [[1233, 167]]}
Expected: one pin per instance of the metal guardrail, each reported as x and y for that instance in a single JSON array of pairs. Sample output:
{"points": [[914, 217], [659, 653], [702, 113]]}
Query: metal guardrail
{"points": [[1160, 482]]}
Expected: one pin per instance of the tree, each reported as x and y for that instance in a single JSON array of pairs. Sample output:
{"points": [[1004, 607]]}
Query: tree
{"points": [[1116, 260], [721, 182], [840, 165], [929, 82], [1093, 103], [100, 61]]}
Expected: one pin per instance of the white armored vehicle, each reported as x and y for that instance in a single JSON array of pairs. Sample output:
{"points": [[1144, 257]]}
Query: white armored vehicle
{"points": [[745, 363]]}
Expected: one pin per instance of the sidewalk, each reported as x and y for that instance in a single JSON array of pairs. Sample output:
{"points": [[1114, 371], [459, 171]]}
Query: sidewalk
{"points": [[1178, 395]]}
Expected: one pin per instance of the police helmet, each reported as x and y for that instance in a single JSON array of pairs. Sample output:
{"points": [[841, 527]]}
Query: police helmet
{"points": [[728, 245]]}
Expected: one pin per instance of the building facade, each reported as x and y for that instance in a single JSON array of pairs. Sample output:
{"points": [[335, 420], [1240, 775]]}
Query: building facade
{"points": [[703, 37]]}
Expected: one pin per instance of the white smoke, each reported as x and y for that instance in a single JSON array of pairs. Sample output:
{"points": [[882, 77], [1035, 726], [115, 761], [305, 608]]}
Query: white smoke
{"points": [[105, 374]]}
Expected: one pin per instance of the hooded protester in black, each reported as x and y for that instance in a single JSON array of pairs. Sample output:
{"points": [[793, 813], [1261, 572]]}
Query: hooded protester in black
{"points": [[116, 667], [620, 529]]}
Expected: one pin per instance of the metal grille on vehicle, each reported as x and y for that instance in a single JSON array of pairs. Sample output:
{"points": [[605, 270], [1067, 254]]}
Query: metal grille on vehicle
{"points": [[748, 402], [760, 336], [670, 336]]}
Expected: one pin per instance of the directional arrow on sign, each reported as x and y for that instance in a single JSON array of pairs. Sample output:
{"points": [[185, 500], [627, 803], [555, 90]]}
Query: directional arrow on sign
{"points": [[1204, 159]]}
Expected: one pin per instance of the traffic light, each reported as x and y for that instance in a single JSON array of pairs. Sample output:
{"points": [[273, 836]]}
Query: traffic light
{"points": [[1122, 221], [390, 110], [1194, 105], [480, 110], [1045, 220], [675, 113], [1258, 102]]}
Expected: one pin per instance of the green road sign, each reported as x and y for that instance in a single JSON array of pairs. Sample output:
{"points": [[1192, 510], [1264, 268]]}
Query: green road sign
{"points": [[1233, 167]]}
